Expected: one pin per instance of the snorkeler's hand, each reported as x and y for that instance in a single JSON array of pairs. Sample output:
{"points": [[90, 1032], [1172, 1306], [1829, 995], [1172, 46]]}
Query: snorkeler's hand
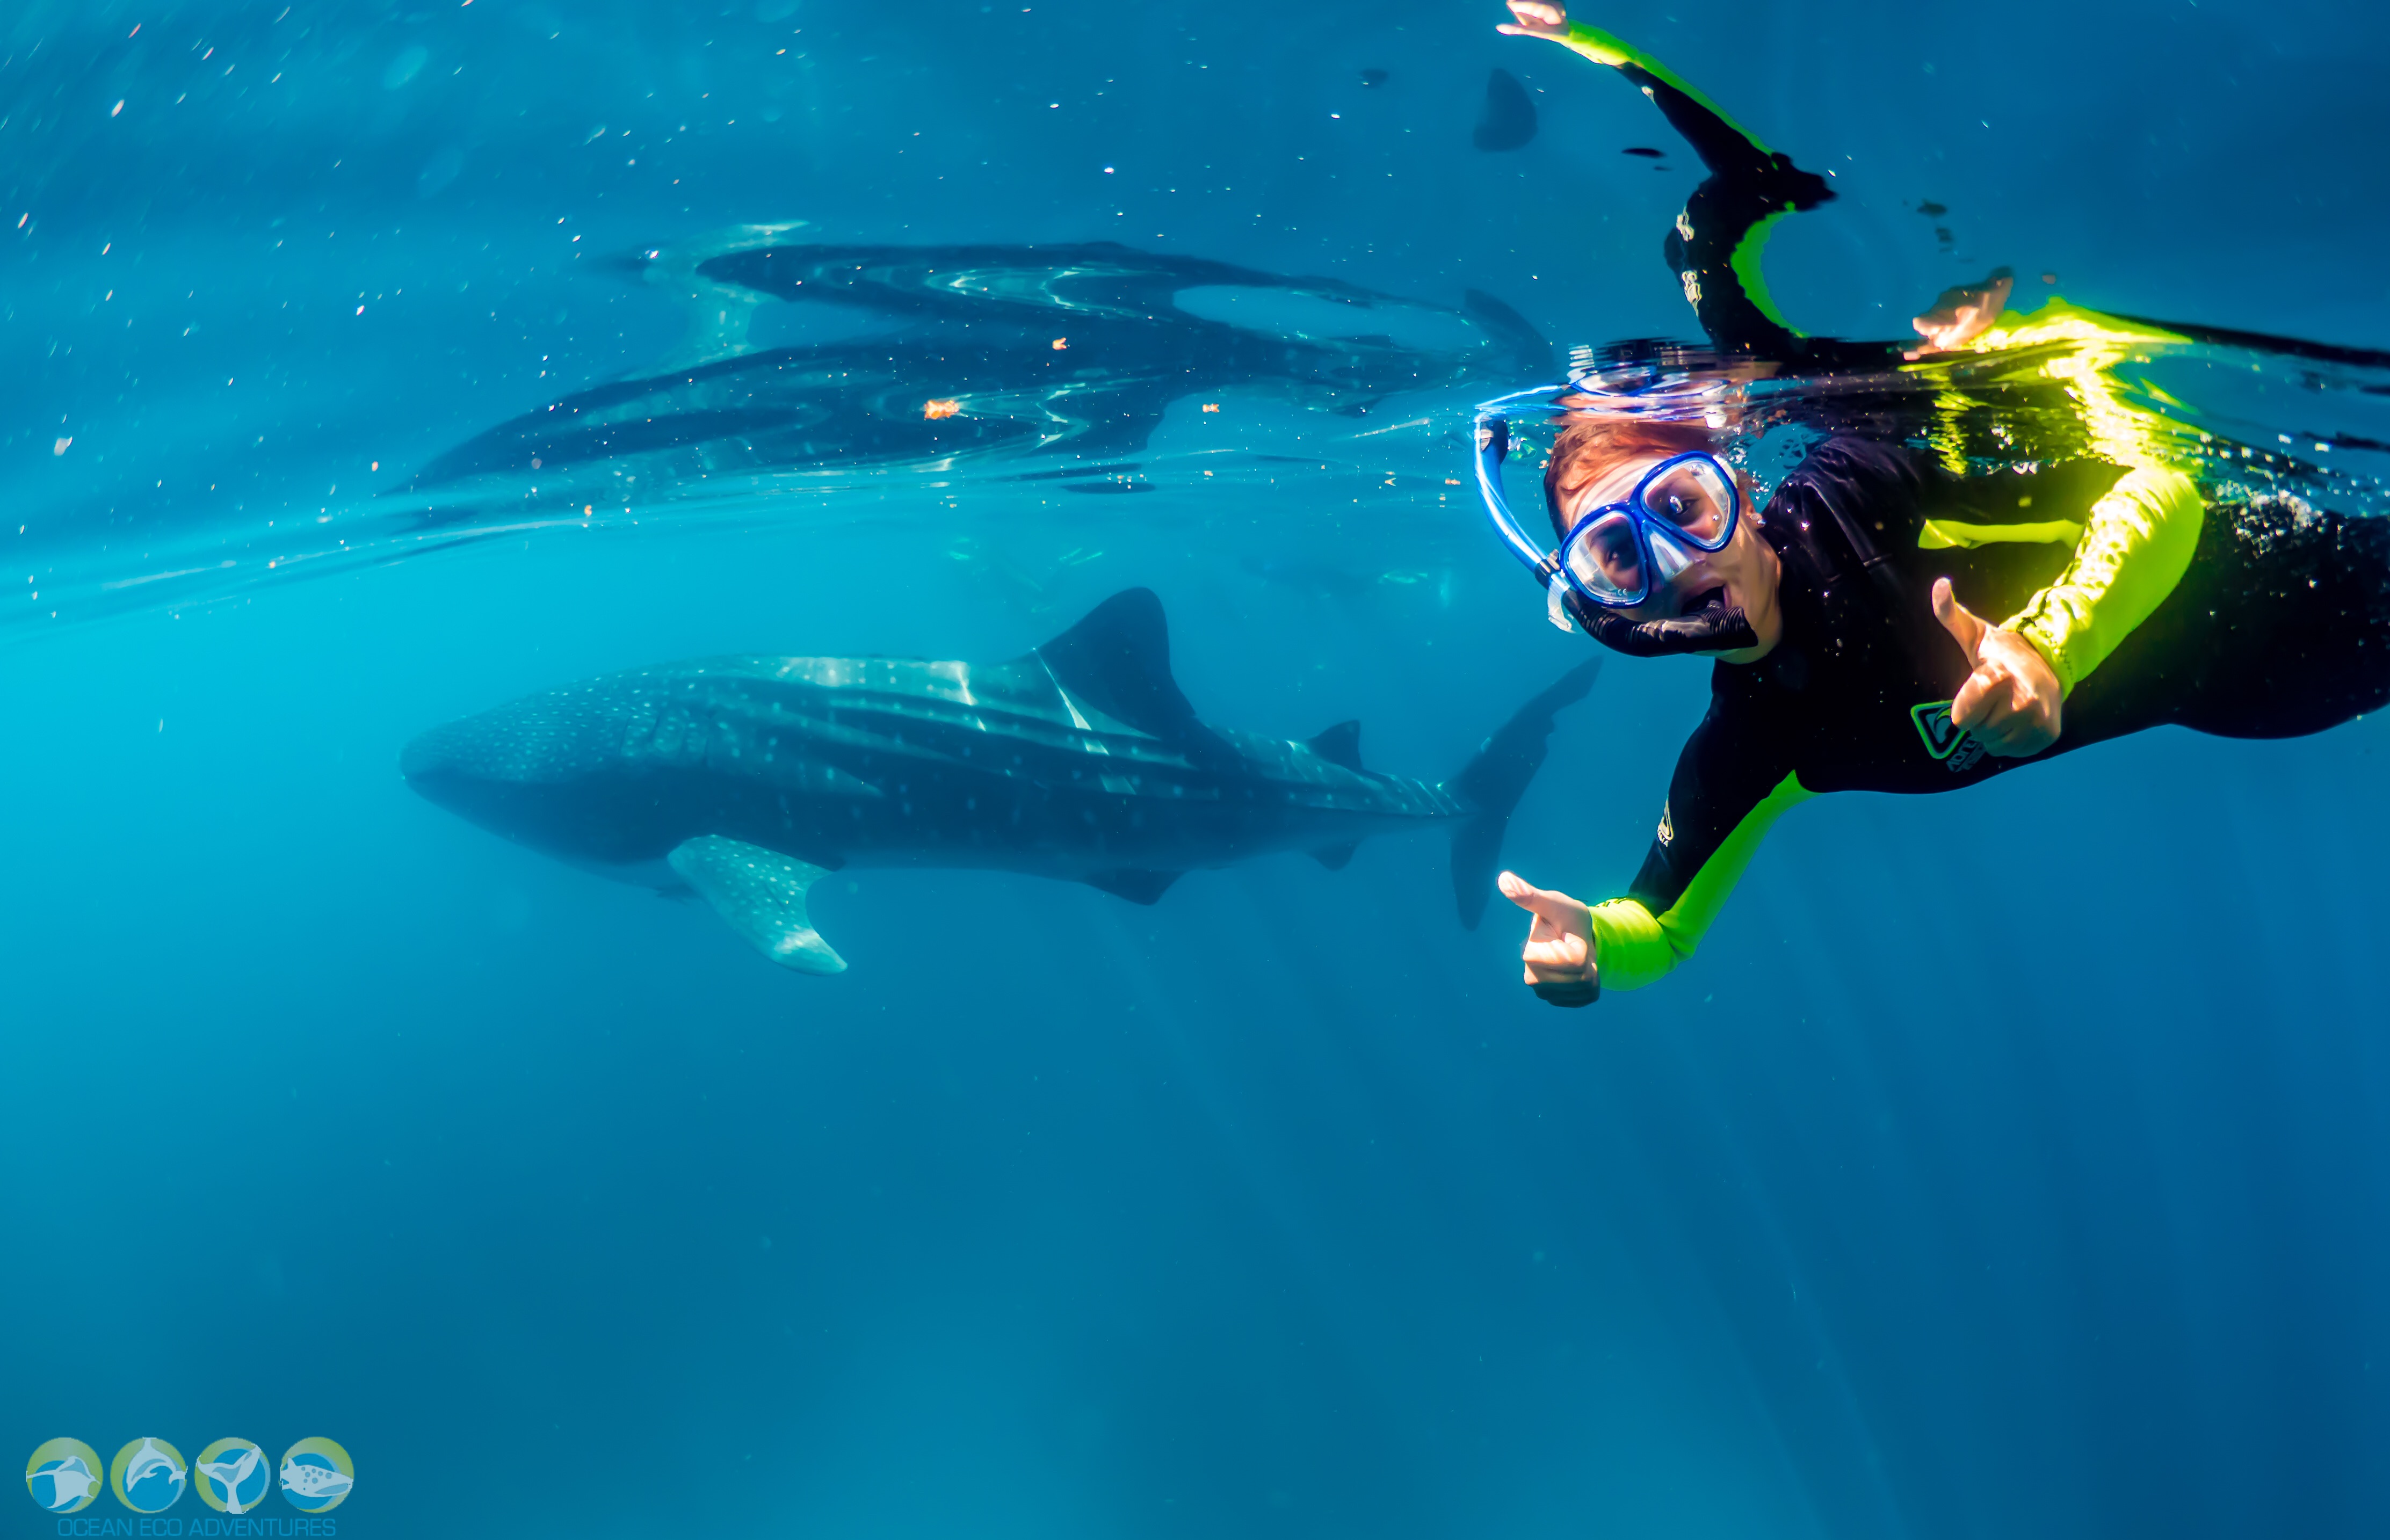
{"points": [[1559, 954], [1537, 18], [1961, 314], [2013, 701]]}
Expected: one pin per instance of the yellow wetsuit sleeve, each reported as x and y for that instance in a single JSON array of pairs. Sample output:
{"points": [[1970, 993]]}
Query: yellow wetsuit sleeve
{"points": [[2137, 544], [1632, 946]]}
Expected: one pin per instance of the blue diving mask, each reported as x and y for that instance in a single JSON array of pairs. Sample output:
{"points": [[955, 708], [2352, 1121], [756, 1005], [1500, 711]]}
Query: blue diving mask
{"points": [[1618, 555]]}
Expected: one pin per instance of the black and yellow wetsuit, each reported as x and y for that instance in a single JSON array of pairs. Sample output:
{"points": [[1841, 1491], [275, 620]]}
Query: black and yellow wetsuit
{"points": [[2249, 620], [2266, 620]]}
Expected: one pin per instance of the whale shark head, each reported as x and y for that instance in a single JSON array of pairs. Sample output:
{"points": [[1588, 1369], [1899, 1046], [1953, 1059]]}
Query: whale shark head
{"points": [[500, 768]]}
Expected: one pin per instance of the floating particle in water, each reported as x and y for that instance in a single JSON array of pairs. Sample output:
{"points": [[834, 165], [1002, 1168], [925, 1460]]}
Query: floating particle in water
{"points": [[1060, 342], [58, 448], [944, 408], [1373, 76], [1932, 209], [1942, 233], [1644, 151], [1211, 406], [2049, 277], [1508, 118]]}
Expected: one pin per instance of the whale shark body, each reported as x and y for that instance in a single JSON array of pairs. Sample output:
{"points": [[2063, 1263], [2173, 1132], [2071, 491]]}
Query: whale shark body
{"points": [[746, 779]]}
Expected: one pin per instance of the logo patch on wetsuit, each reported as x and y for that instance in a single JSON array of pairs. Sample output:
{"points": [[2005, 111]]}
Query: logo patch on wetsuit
{"points": [[1667, 826], [1942, 737]]}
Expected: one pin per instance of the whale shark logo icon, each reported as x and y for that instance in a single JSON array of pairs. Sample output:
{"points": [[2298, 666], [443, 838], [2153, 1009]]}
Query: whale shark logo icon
{"points": [[317, 1475]]}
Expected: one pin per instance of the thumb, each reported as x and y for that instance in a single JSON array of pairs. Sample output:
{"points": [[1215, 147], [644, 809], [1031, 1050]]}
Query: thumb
{"points": [[1559, 909], [1962, 623]]}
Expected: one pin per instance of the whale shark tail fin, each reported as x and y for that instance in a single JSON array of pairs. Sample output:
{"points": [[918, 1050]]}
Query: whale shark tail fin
{"points": [[1492, 783], [760, 895]]}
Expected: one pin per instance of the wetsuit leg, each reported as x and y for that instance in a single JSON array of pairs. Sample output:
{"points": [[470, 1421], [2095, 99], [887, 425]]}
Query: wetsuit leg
{"points": [[2280, 628], [2310, 648], [1715, 248]]}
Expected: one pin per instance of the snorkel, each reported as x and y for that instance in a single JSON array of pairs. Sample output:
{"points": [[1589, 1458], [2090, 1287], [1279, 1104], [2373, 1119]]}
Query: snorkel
{"points": [[1715, 629]]}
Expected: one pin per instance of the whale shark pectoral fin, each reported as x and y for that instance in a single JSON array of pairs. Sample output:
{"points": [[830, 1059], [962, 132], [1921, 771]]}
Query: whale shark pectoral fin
{"points": [[1333, 857], [760, 895], [1134, 883]]}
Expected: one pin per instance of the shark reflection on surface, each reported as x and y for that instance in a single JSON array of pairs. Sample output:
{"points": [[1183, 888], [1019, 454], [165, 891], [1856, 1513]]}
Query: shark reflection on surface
{"points": [[1079, 347]]}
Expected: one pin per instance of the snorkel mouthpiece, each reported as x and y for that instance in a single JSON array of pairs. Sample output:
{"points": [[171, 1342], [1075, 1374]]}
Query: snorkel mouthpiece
{"points": [[1713, 630]]}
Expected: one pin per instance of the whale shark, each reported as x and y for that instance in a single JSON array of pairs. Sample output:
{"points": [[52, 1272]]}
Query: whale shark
{"points": [[744, 780]]}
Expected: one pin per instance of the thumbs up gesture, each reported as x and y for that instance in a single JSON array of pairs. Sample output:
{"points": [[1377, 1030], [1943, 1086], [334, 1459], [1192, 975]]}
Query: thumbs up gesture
{"points": [[2013, 701]]}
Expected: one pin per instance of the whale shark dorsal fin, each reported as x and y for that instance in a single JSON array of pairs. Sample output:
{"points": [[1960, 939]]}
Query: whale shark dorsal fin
{"points": [[1117, 659], [1337, 745], [760, 895], [1134, 883]]}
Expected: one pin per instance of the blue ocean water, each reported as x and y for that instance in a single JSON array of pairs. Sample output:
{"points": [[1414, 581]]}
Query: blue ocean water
{"points": [[2013, 1161]]}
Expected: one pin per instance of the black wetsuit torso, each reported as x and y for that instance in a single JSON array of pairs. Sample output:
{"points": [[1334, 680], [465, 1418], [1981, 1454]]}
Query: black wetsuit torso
{"points": [[2281, 626]]}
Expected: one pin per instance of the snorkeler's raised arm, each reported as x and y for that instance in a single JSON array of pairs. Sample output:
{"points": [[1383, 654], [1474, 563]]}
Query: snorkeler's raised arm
{"points": [[2137, 544], [2134, 543], [1723, 145], [1715, 247]]}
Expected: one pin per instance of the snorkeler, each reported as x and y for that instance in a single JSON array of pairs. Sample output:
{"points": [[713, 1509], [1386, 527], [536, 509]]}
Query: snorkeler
{"points": [[1846, 617]]}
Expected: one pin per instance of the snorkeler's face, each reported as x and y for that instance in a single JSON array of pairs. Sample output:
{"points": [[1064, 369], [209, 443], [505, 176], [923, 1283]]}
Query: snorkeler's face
{"points": [[1743, 575]]}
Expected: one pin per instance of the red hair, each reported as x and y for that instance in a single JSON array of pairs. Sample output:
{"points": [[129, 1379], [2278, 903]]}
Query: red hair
{"points": [[1591, 447]]}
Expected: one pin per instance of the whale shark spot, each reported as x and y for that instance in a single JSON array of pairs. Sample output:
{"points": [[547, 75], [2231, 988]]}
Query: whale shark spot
{"points": [[406, 67]]}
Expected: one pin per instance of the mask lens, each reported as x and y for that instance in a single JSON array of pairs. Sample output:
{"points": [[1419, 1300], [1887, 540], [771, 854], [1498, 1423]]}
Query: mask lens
{"points": [[1693, 496], [1605, 557]]}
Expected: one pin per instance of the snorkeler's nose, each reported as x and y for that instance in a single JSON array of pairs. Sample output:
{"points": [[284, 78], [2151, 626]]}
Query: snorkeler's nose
{"points": [[1670, 559]]}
